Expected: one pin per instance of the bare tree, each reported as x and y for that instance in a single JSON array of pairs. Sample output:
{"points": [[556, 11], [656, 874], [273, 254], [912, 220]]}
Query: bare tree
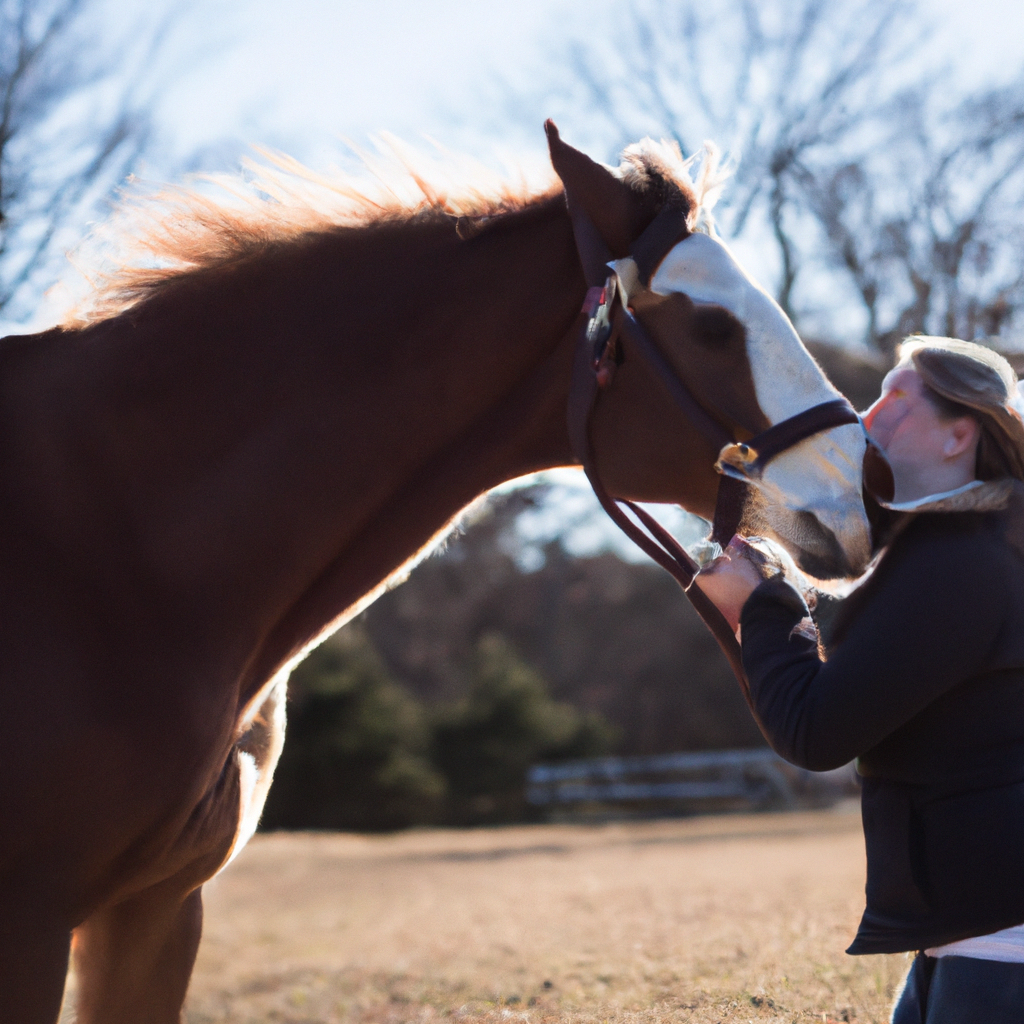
{"points": [[929, 225], [867, 176], [73, 122]]}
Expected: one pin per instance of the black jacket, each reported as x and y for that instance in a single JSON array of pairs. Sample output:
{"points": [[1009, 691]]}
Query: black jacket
{"points": [[926, 688]]}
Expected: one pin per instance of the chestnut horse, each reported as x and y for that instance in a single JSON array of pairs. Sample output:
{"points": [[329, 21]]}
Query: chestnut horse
{"points": [[199, 486]]}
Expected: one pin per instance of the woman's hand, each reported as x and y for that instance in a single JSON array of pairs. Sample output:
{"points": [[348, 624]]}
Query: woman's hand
{"points": [[731, 578]]}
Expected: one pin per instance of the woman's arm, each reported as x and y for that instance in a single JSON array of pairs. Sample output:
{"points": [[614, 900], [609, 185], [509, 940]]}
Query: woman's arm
{"points": [[933, 614]]}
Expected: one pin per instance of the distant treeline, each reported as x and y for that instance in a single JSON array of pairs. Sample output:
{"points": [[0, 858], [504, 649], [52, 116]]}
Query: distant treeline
{"points": [[363, 753]]}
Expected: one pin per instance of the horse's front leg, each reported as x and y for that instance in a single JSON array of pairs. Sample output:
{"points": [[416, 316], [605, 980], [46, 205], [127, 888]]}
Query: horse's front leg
{"points": [[133, 960], [33, 961]]}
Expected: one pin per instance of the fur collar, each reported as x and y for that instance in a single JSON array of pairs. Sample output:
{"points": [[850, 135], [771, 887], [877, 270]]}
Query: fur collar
{"points": [[977, 496]]}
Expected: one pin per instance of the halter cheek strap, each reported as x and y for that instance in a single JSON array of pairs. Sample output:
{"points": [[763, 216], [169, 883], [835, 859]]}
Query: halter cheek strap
{"points": [[650, 536]]}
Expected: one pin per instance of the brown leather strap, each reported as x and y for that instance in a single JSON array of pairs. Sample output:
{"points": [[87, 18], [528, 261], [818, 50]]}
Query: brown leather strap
{"points": [[657, 240], [732, 490], [592, 248], [729, 505], [790, 432], [657, 542], [591, 370], [585, 389]]}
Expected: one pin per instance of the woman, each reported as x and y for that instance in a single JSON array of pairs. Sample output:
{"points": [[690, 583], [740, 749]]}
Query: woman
{"points": [[924, 684]]}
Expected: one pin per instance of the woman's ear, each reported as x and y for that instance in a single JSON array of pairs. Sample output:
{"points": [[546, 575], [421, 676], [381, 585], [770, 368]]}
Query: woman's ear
{"points": [[964, 432]]}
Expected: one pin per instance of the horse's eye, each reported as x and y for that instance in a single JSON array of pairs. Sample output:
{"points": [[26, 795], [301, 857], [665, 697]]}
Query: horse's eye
{"points": [[716, 327]]}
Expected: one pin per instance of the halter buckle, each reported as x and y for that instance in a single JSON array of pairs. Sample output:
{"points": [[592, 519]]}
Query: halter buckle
{"points": [[739, 460], [600, 333]]}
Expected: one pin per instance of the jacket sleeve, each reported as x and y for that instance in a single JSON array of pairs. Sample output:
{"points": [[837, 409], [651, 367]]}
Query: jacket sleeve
{"points": [[929, 624]]}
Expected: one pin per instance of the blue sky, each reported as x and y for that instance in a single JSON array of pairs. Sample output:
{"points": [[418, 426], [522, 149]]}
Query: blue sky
{"points": [[301, 76], [305, 75], [309, 70]]}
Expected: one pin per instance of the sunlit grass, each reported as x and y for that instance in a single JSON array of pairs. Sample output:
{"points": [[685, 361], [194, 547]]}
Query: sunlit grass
{"points": [[713, 919]]}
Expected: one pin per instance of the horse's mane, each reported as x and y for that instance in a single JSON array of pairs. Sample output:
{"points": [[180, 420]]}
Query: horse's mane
{"points": [[158, 236]]}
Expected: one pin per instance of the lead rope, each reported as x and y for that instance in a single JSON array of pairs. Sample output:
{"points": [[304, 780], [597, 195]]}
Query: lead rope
{"points": [[597, 356], [592, 367]]}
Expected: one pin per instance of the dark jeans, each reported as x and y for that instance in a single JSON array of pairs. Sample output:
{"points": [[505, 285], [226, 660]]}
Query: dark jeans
{"points": [[961, 990]]}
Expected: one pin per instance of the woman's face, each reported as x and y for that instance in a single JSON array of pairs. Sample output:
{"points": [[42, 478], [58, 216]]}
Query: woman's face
{"points": [[902, 417], [909, 430]]}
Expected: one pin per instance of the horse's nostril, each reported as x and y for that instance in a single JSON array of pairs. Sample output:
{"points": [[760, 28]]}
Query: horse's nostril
{"points": [[819, 552]]}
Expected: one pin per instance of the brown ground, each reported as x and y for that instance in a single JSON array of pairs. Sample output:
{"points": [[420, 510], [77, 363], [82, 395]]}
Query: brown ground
{"points": [[735, 918]]}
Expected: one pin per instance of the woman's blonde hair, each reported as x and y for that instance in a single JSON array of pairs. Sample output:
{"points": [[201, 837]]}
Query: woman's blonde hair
{"points": [[972, 380]]}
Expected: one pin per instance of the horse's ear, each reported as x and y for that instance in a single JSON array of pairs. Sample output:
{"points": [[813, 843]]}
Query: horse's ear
{"points": [[618, 213]]}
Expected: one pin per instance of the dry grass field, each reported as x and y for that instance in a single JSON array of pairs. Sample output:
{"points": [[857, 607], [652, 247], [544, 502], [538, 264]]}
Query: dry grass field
{"points": [[732, 918]]}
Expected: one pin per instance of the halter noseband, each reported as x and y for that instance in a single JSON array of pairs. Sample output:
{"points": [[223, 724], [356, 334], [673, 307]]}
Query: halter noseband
{"points": [[598, 355]]}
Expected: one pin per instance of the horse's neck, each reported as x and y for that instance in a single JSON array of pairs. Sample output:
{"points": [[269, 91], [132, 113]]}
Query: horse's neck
{"points": [[274, 445]]}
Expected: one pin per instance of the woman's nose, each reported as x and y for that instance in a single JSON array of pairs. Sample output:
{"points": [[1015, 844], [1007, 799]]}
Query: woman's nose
{"points": [[868, 417]]}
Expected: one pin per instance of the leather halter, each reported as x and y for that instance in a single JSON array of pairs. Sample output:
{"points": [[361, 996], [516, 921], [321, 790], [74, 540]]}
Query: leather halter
{"points": [[597, 355]]}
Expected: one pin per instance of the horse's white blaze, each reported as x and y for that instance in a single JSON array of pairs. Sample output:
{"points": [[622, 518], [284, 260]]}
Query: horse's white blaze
{"points": [[821, 475]]}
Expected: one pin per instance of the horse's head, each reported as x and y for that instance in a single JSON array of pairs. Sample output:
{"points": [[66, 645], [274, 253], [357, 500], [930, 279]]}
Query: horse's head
{"points": [[737, 353]]}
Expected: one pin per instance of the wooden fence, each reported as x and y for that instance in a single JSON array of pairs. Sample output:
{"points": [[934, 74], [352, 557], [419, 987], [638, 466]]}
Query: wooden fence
{"points": [[758, 778]]}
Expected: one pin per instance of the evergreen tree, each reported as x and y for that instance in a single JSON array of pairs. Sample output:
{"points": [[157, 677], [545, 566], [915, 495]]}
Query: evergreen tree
{"points": [[356, 749], [485, 743]]}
